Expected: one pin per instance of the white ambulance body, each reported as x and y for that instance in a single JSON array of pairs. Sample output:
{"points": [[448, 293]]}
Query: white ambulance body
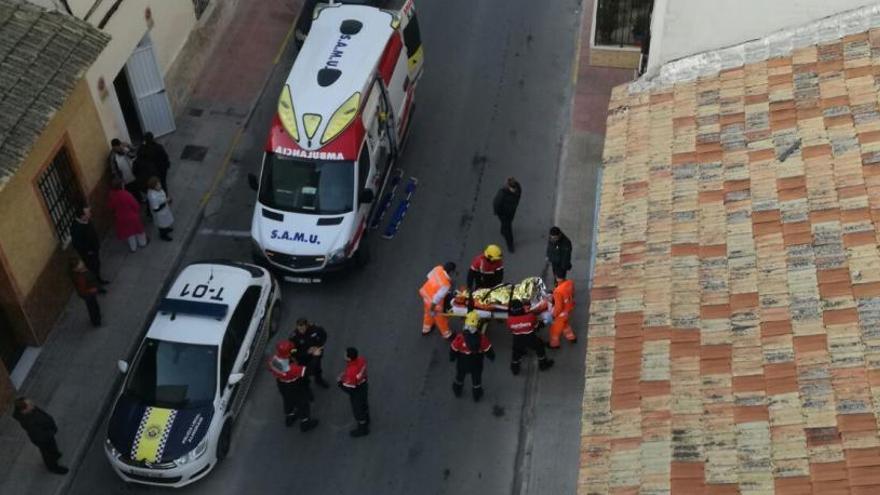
{"points": [[342, 115]]}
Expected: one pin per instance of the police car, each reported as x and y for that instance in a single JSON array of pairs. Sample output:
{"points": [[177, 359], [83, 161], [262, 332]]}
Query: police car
{"points": [[172, 420]]}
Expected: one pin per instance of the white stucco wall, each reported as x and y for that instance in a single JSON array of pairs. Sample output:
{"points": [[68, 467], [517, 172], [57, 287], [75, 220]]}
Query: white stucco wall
{"points": [[172, 22], [685, 27]]}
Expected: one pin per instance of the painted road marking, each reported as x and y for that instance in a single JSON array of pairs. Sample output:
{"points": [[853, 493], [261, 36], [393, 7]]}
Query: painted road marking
{"points": [[225, 232]]}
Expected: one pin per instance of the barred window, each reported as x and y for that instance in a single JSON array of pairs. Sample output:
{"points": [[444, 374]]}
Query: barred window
{"points": [[61, 193], [622, 22], [200, 6]]}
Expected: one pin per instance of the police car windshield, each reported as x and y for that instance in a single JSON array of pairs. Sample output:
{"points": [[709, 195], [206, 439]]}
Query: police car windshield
{"points": [[174, 375], [307, 186]]}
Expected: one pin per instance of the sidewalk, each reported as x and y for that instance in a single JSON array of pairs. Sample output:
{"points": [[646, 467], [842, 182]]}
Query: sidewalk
{"points": [[75, 376]]}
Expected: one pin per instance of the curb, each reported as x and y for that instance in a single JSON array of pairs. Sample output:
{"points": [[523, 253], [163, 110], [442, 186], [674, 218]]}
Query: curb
{"points": [[83, 448]]}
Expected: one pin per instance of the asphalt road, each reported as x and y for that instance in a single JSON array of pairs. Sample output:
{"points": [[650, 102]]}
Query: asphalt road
{"points": [[493, 103]]}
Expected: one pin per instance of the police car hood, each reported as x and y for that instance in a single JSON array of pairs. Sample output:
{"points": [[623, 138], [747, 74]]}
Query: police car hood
{"points": [[154, 434], [302, 234]]}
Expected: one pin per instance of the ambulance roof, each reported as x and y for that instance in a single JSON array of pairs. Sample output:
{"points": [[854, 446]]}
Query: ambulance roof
{"points": [[197, 321], [333, 65]]}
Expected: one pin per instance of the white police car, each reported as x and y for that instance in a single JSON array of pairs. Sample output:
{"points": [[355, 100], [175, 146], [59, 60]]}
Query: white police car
{"points": [[172, 420]]}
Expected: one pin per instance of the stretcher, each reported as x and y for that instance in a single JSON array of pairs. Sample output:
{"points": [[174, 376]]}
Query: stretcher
{"points": [[492, 303]]}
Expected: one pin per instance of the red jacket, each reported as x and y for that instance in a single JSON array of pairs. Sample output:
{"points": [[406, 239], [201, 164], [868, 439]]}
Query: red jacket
{"points": [[460, 346], [355, 373], [523, 324], [285, 371], [126, 213], [484, 266]]}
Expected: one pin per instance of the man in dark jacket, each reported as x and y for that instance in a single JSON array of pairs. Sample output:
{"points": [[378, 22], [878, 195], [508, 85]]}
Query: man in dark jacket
{"points": [[84, 239], [559, 252], [504, 205], [153, 160], [41, 429], [309, 340]]}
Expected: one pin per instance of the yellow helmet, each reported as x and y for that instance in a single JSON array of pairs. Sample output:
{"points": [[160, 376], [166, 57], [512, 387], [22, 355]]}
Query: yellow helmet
{"points": [[472, 319], [492, 252]]}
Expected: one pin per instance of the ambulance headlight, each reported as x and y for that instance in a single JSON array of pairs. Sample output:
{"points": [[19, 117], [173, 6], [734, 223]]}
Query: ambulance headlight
{"points": [[193, 454], [337, 256], [342, 117], [286, 113]]}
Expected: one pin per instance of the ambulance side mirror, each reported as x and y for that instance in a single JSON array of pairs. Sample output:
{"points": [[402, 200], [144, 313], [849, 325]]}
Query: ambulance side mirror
{"points": [[252, 181], [367, 196]]}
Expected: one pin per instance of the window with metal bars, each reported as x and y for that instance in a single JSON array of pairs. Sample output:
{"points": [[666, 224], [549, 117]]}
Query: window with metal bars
{"points": [[61, 193], [622, 22]]}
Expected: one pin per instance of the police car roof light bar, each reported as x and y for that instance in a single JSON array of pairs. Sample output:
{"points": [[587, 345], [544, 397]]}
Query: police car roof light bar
{"points": [[193, 308]]}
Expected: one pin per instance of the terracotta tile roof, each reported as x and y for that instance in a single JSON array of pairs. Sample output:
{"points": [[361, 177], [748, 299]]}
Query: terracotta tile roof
{"points": [[734, 340], [42, 56]]}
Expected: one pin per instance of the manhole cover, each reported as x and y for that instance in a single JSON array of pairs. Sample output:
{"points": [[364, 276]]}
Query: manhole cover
{"points": [[194, 153], [195, 112]]}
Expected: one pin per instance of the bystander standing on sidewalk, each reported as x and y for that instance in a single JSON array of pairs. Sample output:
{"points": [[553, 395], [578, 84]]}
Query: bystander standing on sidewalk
{"points": [[121, 162], [154, 153], [84, 239], [559, 252], [126, 216], [504, 205], [87, 289], [160, 206], [41, 429]]}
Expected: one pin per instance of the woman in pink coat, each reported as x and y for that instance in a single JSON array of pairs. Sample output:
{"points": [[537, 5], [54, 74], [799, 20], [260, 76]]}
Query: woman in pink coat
{"points": [[127, 216]]}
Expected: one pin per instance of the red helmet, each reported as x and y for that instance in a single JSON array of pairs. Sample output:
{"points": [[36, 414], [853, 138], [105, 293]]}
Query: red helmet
{"points": [[284, 348]]}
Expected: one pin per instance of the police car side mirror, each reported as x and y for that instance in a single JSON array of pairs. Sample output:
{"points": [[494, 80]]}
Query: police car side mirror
{"points": [[252, 181], [235, 378], [122, 365], [367, 196]]}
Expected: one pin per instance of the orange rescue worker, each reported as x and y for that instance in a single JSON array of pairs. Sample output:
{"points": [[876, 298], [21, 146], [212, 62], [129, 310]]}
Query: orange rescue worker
{"points": [[433, 293], [563, 305], [487, 269]]}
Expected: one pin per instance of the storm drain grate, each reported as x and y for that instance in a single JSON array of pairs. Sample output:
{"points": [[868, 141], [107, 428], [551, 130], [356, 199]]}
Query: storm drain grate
{"points": [[194, 153]]}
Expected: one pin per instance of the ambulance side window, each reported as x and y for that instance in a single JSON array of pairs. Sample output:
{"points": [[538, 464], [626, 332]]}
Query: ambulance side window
{"points": [[363, 168], [412, 38]]}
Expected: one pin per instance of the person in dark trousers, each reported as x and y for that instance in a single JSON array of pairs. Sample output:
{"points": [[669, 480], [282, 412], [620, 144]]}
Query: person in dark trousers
{"points": [[121, 163], [467, 350], [559, 252], [41, 429], [154, 153], [84, 239], [504, 205], [309, 341], [523, 326], [290, 376], [87, 288], [353, 381]]}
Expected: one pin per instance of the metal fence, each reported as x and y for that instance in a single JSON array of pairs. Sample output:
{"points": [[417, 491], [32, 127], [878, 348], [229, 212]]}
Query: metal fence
{"points": [[622, 22], [61, 193]]}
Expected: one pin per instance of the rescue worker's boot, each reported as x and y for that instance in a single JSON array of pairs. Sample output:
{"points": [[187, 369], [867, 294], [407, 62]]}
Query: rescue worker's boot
{"points": [[514, 367], [308, 424], [457, 388], [478, 393], [290, 419], [545, 364], [362, 430]]}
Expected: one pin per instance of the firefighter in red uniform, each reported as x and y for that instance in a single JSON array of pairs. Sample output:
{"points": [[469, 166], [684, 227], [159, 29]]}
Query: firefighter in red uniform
{"points": [[468, 349], [487, 269], [290, 376], [523, 326], [353, 381]]}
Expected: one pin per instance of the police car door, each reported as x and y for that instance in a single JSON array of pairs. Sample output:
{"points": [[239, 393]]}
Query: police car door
{"points": [[236, 351]]}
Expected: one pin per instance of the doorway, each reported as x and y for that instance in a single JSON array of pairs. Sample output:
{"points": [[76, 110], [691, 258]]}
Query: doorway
{"points": [[140, 90], [126, 104], [10, 348]]}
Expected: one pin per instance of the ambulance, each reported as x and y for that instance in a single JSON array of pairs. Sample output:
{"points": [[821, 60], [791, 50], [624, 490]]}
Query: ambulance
{"points": [[342, 115]]}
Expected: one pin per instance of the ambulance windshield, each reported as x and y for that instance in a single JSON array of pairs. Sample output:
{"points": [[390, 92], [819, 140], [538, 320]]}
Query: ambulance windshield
{"points": [[307, 186]]}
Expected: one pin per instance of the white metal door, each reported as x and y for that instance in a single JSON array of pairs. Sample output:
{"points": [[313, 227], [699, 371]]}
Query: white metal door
{"points": [[148, 90]]}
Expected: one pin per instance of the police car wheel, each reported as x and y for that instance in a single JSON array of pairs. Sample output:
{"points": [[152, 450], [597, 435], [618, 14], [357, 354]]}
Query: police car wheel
{"points": [[275, 318], [224, 442]]}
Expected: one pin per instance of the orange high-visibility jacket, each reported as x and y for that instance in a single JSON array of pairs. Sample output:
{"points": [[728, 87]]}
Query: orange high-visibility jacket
{"points": [[437, 285], [563, 299]]}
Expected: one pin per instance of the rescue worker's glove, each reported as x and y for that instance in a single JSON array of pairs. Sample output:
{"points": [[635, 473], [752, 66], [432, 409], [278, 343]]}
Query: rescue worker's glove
{"points": [[491, 354]]}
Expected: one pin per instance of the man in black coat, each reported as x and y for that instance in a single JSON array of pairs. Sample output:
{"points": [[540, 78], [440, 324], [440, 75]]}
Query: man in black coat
{"points": [[41, 429], [84, 239], [309, 340], [504, 205], [559, 252], [152, 160]]}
